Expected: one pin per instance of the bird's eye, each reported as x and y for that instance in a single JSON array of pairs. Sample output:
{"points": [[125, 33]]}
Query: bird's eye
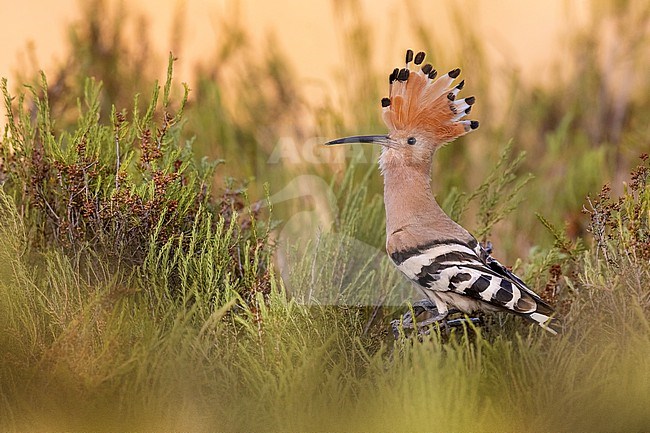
{"points": [[411, 140]]}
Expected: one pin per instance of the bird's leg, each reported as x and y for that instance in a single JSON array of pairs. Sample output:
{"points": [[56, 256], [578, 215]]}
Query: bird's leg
{"points": [[441, 317], [408, 319], [448, 324], [418, 307], [425, 305]]}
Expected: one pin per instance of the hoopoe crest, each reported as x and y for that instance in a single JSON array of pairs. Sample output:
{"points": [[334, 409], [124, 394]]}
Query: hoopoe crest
{"points": [[442, 259]]}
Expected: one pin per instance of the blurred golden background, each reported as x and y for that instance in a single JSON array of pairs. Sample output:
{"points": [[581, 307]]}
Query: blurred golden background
{"points": [[525, 35]]}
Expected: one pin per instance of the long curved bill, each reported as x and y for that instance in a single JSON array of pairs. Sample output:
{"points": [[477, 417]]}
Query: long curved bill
{"points": [[382, 140]]}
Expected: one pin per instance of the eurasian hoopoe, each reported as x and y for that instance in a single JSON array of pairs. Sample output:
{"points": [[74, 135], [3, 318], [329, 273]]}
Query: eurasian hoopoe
{"points": [[442, 259]]}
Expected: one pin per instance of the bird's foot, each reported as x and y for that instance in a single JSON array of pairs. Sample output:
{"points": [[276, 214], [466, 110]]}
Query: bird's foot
{"points": [[407, 321], [420, 307], [424, 328]]}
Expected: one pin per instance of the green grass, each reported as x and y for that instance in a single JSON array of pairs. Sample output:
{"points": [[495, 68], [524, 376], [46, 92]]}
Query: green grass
{"points": [[136, 293], [81, 354]]}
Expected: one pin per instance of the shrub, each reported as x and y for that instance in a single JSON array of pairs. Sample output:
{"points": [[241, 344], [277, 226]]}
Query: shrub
{"points": [[126, 188]]}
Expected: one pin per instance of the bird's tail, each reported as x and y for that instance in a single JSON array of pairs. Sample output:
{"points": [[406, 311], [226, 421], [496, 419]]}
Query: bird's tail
{"points": [[545, 317]]}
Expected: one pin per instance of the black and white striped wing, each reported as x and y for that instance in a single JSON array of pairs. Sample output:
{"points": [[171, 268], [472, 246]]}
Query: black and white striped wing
{"points": [[467, 270]]}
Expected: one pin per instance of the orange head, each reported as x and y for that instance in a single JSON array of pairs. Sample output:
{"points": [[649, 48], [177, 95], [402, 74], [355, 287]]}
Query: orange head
{"points": [[422, 113]]}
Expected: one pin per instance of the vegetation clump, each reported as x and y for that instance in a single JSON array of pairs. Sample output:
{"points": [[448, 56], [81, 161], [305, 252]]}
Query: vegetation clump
{"points": [[123, 189]]}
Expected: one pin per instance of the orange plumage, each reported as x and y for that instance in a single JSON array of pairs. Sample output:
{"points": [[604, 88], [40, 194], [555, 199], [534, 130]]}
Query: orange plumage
{"points": [[419, 102]]}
